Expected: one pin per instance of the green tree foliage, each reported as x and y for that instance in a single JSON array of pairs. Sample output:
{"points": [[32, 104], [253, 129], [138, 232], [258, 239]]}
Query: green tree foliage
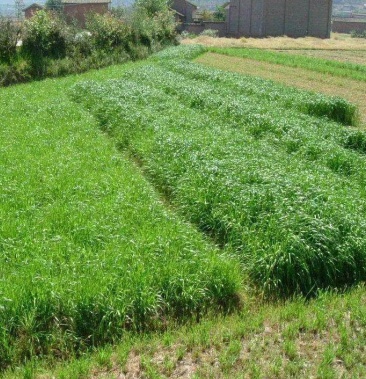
{"points": [[51, 47], [9, 35], [54, 5], [206, 15], [45, 36], [108, 31], [151, 7], [219, 14], [151, 29]]}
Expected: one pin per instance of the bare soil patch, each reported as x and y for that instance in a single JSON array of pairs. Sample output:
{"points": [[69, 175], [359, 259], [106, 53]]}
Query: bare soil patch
{"points": [[351, 90]]}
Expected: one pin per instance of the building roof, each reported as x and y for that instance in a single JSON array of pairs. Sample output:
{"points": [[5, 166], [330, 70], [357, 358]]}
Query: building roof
{"points": [[85, 1], [34, 5], [176, 12], [188, 2]]}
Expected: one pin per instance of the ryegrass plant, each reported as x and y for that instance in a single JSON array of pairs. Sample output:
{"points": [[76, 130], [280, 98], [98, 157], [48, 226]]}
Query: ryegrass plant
{"points": [[87, 247], [325, 66], [316, 104], [277, 187], [179, 52]]}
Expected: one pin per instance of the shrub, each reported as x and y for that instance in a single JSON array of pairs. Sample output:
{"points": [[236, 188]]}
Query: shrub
{"points": [[18, 72], [108, 31], [210, 33], [45, 36], [80, 45], [153, 24], [9, 35], [356, 34], [151, 7]]}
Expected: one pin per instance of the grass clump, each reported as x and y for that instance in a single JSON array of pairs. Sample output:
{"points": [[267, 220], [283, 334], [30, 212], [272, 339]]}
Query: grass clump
{"points": [[180, 52], [270, 184]]}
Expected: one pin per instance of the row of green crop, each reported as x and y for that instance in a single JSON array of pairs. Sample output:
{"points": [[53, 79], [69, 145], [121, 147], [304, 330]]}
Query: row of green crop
{"points": [[87, 249], [275, 186], [324, 66]]}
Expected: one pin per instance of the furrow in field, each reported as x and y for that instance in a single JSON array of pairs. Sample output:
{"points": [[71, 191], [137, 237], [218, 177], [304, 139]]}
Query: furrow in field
{"points": [[295, 215]]}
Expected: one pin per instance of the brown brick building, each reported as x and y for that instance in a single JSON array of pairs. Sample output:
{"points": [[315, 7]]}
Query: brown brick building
{"points": [[79, 9], [31, 10]]}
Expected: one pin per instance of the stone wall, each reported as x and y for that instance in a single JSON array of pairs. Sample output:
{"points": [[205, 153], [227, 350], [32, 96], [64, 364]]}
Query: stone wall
{"points": [[347, 26]]}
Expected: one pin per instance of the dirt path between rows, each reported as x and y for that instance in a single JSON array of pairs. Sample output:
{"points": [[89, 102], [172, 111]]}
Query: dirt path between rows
{"points": [[349, 89]]}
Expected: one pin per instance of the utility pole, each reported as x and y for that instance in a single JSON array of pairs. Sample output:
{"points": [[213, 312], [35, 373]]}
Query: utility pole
{"points": [[19, 6]]}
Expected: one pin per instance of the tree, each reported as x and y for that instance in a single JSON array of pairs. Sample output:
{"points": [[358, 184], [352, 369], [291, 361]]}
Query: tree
{"points": [[9, 35], [220, 13], [45, 36], [206, 15], [54, 5], [152, 7]]}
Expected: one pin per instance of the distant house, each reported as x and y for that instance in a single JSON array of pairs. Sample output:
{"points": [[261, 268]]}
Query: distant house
{"points": [[294, 18], [74, 10], [79, 9], [31, 10], [185, 9], [178, 17], [264, 18]]}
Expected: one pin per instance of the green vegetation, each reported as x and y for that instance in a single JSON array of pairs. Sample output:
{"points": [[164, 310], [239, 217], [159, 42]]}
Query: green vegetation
{"points": [[9, 34], [335, 68], [91, 254], [282, 190], [319, 338], [52, 48], [356, 34], [88, 249]]}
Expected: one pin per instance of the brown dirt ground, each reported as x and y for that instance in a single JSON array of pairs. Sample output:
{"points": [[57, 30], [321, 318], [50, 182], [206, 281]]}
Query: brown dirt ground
{"points": [[336, 42], [351, 90]]}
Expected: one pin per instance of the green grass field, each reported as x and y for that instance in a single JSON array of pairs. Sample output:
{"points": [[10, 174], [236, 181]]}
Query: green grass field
{"points": [[243, 160], [88, 248], [326, 66], [142, 196]]}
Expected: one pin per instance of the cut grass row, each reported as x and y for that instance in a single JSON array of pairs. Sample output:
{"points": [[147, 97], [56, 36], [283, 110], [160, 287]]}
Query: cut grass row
{"points": [[280, 189], [325, 66], [87, 248]]}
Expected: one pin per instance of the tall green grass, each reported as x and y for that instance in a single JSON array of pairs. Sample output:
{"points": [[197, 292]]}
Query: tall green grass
{"points": [[342, 69], [279, 188], [87, 247]]}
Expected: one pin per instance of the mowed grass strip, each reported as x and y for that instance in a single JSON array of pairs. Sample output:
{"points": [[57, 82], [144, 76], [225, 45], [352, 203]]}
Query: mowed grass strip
{"points": [[282, 190], [87, 248], [326, 66], [352, 90]]}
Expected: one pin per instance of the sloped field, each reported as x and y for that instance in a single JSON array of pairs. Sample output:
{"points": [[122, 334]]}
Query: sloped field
{"points": [[269, 172]]}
